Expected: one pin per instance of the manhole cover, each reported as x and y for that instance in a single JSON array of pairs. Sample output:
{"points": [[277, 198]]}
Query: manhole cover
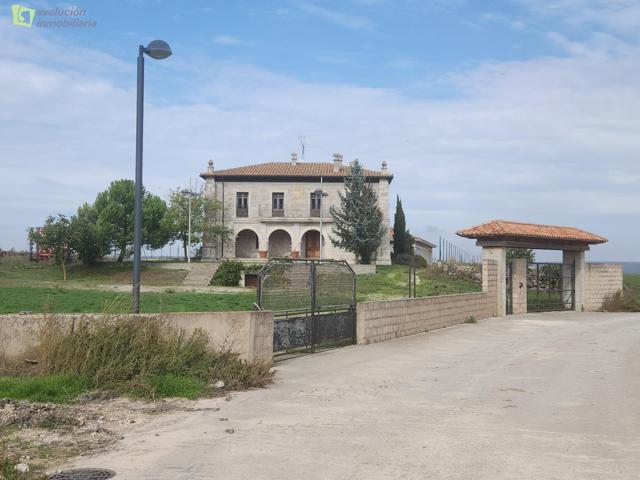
{"points": [[83, 474]]}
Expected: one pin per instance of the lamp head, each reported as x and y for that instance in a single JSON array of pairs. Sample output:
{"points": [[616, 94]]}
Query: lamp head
{"points": [[158, 49]]}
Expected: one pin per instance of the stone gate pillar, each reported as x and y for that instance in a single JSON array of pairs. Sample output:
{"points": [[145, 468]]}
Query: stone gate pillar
{"points": [[568, 259], [519, 285], [499, 255]]}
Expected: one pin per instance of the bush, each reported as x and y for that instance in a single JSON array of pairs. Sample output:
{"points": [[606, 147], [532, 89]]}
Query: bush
{"points": [[142, 357], [622, 301], [253, 267], [408, 259], [228, 274]]}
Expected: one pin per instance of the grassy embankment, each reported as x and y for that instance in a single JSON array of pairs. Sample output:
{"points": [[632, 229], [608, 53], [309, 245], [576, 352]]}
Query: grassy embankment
{"points": [[39, 288]]}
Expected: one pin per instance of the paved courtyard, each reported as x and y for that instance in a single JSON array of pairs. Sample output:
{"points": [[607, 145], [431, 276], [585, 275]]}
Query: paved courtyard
{"points": [[547, 396]]}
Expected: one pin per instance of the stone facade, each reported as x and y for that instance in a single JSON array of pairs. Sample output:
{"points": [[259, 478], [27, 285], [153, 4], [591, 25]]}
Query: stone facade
{"points": [[601, 281], [257, 232], [380, 321]]}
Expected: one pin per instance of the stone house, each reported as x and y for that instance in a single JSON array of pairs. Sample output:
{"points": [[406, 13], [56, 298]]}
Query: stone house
{"points": [[274, 209], [424, 248]]}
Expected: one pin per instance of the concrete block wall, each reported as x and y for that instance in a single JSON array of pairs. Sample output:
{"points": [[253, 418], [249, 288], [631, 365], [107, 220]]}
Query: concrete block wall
{"points": [[385, 320], [601, 280], [248, 333]]}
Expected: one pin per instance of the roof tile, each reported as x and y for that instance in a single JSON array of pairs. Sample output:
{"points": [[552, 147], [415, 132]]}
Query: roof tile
{"points": [[529, 231], [287, 169]]}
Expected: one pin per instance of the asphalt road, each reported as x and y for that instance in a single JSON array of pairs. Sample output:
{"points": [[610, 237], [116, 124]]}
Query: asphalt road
{"points": [[554, 396]]}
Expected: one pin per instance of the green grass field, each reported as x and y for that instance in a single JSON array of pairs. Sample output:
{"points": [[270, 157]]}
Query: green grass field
{"points": [[74, 300], [17, 271], [39, 288], [393, 282], [633, 281]]}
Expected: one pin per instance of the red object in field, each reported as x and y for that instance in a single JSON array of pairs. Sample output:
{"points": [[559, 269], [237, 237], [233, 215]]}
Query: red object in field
{"points": [[43, 254]]}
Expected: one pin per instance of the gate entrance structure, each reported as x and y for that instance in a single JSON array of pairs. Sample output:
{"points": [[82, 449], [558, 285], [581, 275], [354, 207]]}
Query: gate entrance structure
{"points": [[313, 303], [550, 287], [539, 287]]}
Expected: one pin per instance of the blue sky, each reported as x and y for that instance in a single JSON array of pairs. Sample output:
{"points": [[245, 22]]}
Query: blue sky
{"points": [[522, 109]]}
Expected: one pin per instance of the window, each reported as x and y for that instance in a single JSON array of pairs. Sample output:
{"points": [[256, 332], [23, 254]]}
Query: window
{"points": [[277, 204], [316, 204], [242, 204]]}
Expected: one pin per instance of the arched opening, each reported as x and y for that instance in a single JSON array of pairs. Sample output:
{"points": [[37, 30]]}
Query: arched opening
{"points": [[279, 244], [246, 244], [311, 244]]}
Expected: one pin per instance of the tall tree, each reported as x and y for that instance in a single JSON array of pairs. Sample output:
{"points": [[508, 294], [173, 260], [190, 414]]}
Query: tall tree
{"points": [[358, 222], [402, 238], [57, 235], [89, 246], [203, 209], [115, 217]]}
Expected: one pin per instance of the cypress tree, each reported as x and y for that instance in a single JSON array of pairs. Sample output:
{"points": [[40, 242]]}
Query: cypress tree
{"points": [[402, 238], [358, 222]]}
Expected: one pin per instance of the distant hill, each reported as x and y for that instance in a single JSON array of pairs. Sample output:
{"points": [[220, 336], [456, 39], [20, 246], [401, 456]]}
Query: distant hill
{"points": [[631, 267]]}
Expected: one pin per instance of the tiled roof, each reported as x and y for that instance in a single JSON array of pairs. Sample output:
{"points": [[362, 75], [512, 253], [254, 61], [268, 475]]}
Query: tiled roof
{"points": [[287, 169], [497, 229]]}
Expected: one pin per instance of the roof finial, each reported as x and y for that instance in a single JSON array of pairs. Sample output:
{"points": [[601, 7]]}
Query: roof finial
{"points": [[210, 166], [384, 166]]}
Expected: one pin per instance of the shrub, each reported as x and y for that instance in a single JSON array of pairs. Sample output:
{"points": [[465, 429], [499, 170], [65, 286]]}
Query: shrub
{"points": [[408, 259], [622, 301], [253, 267], [228, 274], [144, 357]]}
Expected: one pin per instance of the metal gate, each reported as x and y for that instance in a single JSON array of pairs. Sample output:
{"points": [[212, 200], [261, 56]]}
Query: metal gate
{"points": [[550, 287], [313, 303]]}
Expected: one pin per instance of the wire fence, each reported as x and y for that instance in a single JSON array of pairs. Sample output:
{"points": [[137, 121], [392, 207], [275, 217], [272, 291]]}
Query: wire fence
{"points": [[450, 252]]}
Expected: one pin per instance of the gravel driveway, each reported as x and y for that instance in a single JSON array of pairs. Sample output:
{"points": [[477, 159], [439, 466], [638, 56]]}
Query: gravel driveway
{"points": [[547, 396]]}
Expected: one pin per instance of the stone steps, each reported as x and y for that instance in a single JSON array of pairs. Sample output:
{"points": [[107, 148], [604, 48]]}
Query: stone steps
{"points": [[200, 274]]}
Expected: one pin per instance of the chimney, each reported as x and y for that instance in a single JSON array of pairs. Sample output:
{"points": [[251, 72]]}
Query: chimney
{"points": [[337, 162], [210, 166], [294, 158], [384, 166]]}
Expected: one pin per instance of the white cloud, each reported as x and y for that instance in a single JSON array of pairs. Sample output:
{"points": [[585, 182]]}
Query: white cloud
{"points": [[356, 22], [229, 41], [551, 140]]}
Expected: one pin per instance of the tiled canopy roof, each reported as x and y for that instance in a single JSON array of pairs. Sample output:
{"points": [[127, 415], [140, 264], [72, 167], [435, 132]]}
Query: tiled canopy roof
{"points": [[288, 169], [500, 229]]}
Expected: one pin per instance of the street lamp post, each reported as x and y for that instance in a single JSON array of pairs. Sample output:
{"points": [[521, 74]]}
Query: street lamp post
{"points": [[320, 192], [191, 195], [157, 49]]}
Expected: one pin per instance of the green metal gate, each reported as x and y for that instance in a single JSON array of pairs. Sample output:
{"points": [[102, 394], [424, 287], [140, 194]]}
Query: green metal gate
{"points": [[313, 302]]}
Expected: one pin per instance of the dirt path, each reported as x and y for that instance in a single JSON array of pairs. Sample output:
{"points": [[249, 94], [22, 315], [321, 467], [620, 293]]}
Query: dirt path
{"points": [[550, 396]]}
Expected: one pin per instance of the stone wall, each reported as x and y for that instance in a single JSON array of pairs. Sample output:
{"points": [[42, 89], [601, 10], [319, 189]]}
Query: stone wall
{"points": [[248, 333], [385, 320], [601, 280], [519, 286]]}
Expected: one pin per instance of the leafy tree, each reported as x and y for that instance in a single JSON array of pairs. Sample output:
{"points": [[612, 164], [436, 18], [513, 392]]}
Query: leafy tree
{"points": [[358, 222], [115, 217], [89, 246], [402, 238], [521, 253], [57, 235], [203, 209]]}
